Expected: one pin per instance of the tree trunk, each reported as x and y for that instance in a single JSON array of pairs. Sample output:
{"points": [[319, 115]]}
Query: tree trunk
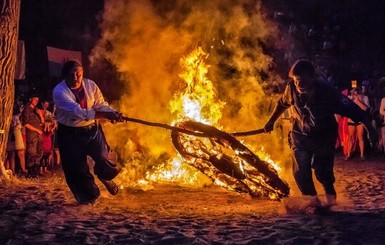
{"points": [[9, 31]]}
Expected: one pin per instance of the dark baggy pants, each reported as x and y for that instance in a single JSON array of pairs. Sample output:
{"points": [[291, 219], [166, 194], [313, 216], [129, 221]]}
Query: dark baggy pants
{"points": [[34, 149], [316, 153], [75, 143]]}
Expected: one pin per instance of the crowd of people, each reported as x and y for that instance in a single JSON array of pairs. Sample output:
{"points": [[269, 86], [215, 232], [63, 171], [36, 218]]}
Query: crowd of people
{"points": [[32, 149], [352, 136]]}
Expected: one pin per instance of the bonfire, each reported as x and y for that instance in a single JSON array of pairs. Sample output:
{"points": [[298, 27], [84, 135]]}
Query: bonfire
{"points": [[198, 139]]}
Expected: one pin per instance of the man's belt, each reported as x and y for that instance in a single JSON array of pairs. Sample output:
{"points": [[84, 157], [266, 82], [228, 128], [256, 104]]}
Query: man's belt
{"points": [[77, 130]]}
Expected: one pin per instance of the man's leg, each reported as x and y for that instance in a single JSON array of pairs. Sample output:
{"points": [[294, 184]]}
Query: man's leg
{"points": [[32, 153], [74, 164], [301, 158], [303, 172], [323, 166], [104, 168]]}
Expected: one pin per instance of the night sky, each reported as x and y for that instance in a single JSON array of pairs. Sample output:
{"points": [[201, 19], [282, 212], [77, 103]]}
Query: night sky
{"points": [[73, 25]]}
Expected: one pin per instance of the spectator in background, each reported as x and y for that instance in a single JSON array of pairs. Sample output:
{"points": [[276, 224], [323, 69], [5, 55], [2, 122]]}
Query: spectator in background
{"points": [[49, 118], [47, 146], [381, 125], [50, 125], [343, 133], [33, 121], [16, 143], [56, 153], [357, 129]]}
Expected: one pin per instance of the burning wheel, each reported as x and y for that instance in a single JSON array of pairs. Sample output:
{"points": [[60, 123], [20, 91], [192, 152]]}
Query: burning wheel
{"points": [[228, 162]]}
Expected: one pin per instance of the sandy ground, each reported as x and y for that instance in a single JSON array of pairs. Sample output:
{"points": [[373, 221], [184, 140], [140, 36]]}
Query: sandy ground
{"points": [[43, 211]]}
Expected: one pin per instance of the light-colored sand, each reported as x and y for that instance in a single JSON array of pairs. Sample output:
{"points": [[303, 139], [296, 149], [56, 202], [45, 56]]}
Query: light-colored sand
{"points": [[44, 212]]}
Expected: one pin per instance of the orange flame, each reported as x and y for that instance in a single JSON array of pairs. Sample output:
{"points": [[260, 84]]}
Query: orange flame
{"points": [[175, 171], [198, 101]]}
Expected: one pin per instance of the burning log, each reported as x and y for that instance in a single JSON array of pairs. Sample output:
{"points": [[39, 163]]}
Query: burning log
{"points": [[227, 161], [225, 164], [224, 159]]}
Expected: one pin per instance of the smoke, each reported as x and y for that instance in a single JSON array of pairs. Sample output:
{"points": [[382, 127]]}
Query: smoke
{"points": [[145, 41]]}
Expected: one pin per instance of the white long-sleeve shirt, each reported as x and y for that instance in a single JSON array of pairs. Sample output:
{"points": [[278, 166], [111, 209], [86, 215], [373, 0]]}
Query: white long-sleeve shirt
{"points": [[69, 111]]}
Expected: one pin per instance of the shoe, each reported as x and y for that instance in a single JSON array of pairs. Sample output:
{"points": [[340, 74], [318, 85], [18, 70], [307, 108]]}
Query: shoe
{"points": [[112, 188], [363, 158], [347, 158], [331, 199]]}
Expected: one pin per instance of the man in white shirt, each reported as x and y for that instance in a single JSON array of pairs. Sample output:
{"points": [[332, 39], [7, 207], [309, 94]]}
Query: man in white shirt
{"points": [[79, 103]]}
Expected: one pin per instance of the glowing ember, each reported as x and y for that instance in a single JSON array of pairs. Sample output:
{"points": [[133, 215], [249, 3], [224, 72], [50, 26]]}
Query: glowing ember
{"points": [[266, 157], [175, 172]]}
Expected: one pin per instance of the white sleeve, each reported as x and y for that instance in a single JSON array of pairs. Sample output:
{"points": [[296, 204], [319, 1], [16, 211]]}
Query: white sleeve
{"points": [[100, 103]]}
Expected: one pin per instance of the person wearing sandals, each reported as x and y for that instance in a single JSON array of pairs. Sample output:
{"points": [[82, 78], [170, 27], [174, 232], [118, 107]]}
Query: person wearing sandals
{"points": [[80, 104]]}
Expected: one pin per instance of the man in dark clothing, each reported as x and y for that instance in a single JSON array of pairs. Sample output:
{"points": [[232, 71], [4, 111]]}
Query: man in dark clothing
{"points": [[32, 119], [314, 132]]}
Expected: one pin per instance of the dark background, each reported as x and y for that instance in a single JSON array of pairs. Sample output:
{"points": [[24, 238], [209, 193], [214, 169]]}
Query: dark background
{"points": [[358, 28], [65, 24], [73, 25]]}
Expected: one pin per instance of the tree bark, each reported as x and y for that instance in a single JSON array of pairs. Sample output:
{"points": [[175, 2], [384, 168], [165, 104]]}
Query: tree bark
{"points": [[9, 31]]}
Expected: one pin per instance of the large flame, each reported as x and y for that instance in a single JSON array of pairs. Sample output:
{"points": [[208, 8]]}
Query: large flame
{"points": [[198, 102], [144, 40]]}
